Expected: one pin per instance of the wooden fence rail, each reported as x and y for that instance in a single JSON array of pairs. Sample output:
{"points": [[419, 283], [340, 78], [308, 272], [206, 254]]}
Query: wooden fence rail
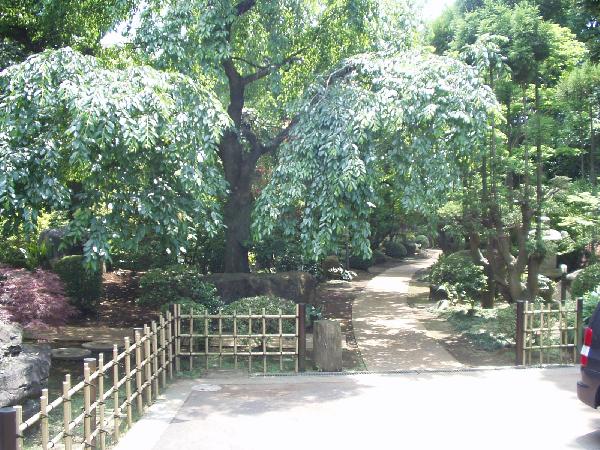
{"points": [[136, 375]]}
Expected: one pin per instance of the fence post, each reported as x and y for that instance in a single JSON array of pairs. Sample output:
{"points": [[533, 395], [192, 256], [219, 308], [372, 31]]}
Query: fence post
{"points": [[91, 364], [519, 341], [138, 372], [8, 429], [301, 337], [177, 331], [563, 283], [579, 324]]}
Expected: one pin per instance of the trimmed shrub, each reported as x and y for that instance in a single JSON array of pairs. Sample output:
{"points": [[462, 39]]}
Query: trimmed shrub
{"points": [[378, 257], [423, 241], [177, 284], [411, 247], [271, 305], [33, 298], [360, 263], [459, 275], [586, 281], [83, 286], [395, 250], [330, 263]]}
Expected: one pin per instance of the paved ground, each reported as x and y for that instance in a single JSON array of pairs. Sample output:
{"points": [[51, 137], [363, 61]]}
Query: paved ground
{"points": [[387, 332], [492, 409]]}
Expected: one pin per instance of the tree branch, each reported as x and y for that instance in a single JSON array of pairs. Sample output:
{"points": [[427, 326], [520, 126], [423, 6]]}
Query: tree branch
{"points": [[244, 6], [267, 70]]}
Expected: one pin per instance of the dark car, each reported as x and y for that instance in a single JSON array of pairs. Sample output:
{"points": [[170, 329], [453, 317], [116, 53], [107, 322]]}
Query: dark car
{"points": [[588, 388]]}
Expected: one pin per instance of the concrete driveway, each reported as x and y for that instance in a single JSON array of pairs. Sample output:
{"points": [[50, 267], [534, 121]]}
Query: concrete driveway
{"points": [[487, 409]]}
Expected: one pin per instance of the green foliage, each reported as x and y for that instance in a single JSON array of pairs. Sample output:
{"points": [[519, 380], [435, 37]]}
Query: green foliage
{"points": [[423, 241], [360, 263], [459, 275], [378, 257], [271, 305], [590, 302], [395, 249], [587, 280], [149, 254], [330, 263], [177, 284], [489, 329], [127, 152], [365, 109], [82, 285], [17, 252]]}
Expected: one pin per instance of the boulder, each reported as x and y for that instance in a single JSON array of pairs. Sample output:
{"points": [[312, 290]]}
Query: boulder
{"points": [[299, 287], [52, 238], [24, 375], [11, 339], [437, 293], [327, 345]]}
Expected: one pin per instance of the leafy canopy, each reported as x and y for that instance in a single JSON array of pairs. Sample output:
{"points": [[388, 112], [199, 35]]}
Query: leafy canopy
{"points": [[126, 151]]}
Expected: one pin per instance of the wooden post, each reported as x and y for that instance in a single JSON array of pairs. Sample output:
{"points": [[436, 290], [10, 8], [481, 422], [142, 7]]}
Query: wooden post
{"points": [[20, 444], [301, 311], [101, 409], [67, 413], [116, 405], [147, 365], [44, 419], [92, 364], [563, 283], [170, 343], [87, 418], [177, 323], [154, 335], [579, 326], [520, 333], [264, 340], [191, 342], [128, 381], [163, 350], [138, 372], [8, 429]]}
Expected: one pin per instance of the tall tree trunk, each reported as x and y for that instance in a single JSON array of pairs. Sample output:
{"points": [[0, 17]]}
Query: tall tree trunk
{"points": [[535, 258], [592, 148], [238, 208]]}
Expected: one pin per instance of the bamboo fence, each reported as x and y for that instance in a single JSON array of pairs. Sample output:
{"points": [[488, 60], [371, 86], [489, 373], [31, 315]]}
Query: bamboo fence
{"points": [[137, 374], [548, 333]]}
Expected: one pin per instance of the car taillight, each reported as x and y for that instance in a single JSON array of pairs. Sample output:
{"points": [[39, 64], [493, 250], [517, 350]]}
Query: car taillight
{"points": [[585, 348]]}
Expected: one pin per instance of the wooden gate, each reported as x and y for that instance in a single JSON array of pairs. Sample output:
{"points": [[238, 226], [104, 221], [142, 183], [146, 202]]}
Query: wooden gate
{"points": [[548, 333]]}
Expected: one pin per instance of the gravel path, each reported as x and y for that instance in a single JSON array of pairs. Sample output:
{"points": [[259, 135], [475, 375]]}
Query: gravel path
{"points": [[388, 334]]}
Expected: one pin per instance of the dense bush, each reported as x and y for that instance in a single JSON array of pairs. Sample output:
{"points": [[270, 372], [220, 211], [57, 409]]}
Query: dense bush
{"points": [[83, 286], [360, 263], [586, 281], [590, 301], [459, 275], [177, 284], [378, 257], [395, 249], [149, 254], [33, 298], [16, 252], [271, 305], [423, 241]]}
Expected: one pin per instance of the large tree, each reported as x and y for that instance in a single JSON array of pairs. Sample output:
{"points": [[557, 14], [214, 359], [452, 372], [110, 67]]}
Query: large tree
{"points": [[283, 72]]}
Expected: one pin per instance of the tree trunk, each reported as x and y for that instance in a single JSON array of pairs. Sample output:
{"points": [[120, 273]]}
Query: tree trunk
{"points": [[592, 148], [239, 167]]}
